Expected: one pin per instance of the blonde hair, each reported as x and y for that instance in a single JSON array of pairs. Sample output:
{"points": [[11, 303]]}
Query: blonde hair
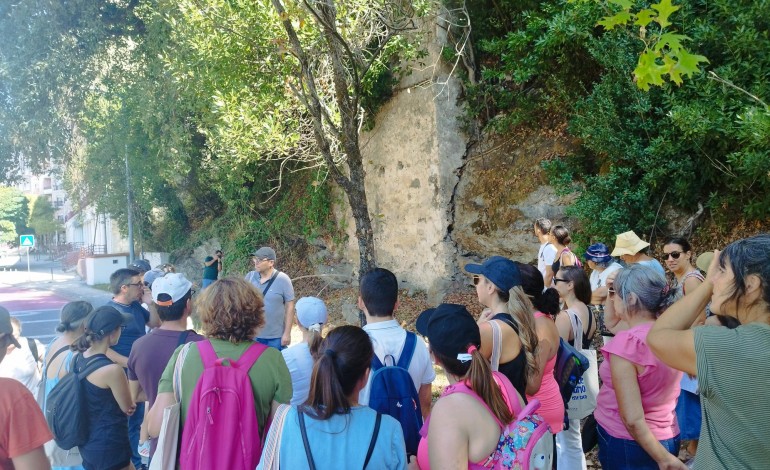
{"points": [[520, 308]]}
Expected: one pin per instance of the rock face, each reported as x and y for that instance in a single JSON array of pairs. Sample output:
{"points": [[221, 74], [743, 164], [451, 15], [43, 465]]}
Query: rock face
{"points": [[436, 201], [501, 192]]}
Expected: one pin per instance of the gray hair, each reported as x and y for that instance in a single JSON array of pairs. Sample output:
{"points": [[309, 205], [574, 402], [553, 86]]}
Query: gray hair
{"points": [[604, 264], [649, 285]]}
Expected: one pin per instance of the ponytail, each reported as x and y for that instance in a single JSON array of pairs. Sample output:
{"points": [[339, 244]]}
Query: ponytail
{"points": [[481, 381], [347, 355], [520, 308], [83, 342], [314, 342]]}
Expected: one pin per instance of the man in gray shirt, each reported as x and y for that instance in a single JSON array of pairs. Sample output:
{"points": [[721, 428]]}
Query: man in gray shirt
{"points": [[278, 293]]}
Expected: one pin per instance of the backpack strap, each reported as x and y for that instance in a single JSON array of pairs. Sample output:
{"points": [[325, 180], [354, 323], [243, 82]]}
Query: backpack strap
{"points": [[182, 338], [208, 355], [92, 365], [33, 349], [303, 431], [54, 356], [375, 433], [408, 351], [249, 357], [497, 344], [270, 282]]}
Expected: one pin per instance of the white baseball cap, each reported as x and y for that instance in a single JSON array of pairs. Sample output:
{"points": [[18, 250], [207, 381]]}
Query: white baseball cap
{"points": [[172, 284], [311, 311]]}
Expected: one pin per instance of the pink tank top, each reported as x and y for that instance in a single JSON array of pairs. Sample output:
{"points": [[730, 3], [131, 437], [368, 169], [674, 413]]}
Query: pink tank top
{"points": [[511, 398], [551, 404]]}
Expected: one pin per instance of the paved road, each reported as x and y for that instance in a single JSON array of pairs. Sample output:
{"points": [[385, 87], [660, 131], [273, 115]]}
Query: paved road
{"points": [[36, 298]]}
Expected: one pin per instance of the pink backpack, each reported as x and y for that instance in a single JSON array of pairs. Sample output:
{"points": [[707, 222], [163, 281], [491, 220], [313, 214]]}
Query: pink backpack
{"points": [[526, 443], [221, 428]]}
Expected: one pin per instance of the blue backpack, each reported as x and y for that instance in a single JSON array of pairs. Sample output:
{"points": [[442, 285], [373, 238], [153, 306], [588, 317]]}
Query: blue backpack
{"points": [[392, 392]]}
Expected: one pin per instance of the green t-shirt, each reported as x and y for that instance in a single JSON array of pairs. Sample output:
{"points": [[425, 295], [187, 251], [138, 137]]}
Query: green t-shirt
{"points": [[270, 377], [733, 382], [211, 272]]}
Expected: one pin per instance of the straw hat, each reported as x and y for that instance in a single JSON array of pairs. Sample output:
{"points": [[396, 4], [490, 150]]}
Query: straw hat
{"points": [[704, 261], [628, 243]]}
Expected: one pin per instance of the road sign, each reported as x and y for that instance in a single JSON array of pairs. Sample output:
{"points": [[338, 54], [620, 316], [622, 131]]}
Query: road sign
{"points": [[27, 241]]}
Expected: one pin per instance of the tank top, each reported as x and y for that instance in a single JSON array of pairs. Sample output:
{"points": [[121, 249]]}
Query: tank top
{"points": [[557, 264], [551, 403], [515, 369], [586, 339], [108, 424]]}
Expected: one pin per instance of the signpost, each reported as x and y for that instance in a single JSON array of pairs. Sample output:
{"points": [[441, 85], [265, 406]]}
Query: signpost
{"points": [[27, 241]]}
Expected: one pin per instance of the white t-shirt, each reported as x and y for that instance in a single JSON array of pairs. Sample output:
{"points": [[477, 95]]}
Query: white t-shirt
{"points": [[388, 338], [545, 256], [599, 279], [300, 364], [20, 365]]}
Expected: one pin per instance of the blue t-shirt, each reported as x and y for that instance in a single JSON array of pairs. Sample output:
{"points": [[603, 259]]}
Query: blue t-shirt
{"points": [[342, 441], [134, 330], [654, 264]]}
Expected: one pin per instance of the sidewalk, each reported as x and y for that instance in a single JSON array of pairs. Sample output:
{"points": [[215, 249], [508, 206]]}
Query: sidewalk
{"points": [[47, 275]]}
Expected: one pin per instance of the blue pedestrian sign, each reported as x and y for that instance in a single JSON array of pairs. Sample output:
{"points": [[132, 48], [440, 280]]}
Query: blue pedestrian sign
{"points": [[27, 241]]}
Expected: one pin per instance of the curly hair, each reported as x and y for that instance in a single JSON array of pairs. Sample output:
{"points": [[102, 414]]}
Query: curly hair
{"points": [[231, 309]]}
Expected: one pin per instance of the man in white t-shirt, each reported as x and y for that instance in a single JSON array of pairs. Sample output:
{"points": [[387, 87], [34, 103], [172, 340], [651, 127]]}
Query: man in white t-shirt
{"points": [[547, 253], [378, 299]]}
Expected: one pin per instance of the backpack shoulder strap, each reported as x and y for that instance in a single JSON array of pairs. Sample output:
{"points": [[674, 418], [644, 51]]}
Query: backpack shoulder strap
{"points": [[376, 363], [93, 364], [182, 337], [33, 349], [208, 355], [54, 356], [250, 356], [497, 344], [408, 351], [375, 433], [303, 431]]}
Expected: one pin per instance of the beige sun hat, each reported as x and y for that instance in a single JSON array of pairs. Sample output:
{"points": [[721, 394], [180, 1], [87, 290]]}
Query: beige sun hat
{"points": [[628, 243], [704, 261]]}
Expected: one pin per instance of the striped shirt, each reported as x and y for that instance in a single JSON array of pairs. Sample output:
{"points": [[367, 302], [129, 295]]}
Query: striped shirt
{"points": [[734, 375]]}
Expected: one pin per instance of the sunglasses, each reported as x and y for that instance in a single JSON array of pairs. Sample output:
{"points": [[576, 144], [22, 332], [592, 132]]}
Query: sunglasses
{"points": [[135, 284], [557, 280], [610, 291], [673, 254]]}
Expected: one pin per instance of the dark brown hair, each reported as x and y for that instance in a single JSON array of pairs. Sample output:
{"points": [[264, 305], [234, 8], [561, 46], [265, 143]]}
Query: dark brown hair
{"points": [[347, 354], [231, 309], [561, 234], [579, 279], [478, 376]]}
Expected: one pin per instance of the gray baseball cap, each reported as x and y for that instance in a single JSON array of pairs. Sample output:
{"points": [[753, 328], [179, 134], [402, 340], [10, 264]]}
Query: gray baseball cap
{"points": [[265, 253], [6, 327]]}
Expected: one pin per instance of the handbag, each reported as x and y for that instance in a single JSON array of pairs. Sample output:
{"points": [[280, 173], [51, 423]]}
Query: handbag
{"points": [[272, 451], [583, 400], [168, 439]]}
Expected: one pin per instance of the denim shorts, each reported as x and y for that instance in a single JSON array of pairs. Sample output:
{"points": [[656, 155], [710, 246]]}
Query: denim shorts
{"points": [[689, 415], [271, 342], [625, 454]]}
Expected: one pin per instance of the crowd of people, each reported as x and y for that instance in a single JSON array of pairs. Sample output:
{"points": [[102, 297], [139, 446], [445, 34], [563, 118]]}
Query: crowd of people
{"points": [[682, 361]]}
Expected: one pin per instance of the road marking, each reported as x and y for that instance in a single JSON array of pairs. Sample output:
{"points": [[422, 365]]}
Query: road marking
{"points": [[26, 313]]}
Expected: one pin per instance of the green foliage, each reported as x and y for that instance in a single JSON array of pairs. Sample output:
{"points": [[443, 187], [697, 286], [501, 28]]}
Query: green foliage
{"points": [[42, 217], [8, 233], [702, 141], [14, 209], [664, 52]]}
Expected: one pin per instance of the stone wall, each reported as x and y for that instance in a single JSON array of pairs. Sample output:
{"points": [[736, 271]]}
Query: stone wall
{"points": [[436, 200]]}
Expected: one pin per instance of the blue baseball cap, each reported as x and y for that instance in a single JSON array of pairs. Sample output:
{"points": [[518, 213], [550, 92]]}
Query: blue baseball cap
{"points": [[501, 271], [598, 253]]}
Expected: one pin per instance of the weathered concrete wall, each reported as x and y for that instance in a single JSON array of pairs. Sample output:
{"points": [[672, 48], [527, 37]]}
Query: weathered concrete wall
{"points": [[412, 157], [437, 202]]}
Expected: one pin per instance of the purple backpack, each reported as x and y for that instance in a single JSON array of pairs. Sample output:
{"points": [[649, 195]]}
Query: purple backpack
{"points": [[221, 428]]}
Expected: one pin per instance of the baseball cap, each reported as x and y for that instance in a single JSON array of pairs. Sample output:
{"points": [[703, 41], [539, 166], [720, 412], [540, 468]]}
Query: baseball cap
{"points": [[311, 311], [153, 274], [501, 271], [174, 285], [450, 329], [6, 327], [106, 319], [265, 253], [141, 265]]}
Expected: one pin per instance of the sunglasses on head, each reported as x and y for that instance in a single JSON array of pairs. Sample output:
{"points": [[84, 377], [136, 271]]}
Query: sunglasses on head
{"points": [[673, 254]]}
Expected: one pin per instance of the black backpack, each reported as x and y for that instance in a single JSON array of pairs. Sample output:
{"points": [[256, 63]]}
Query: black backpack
{"points": [[66, 410]]}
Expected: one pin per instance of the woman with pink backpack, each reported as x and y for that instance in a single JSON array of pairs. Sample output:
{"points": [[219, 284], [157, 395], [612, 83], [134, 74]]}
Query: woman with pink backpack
{"points": [[480, 420]]}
